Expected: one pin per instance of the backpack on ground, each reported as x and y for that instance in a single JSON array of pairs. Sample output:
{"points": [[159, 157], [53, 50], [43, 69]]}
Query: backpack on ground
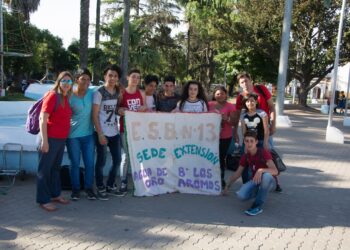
{"points": [[66, 183], [32, 123]]}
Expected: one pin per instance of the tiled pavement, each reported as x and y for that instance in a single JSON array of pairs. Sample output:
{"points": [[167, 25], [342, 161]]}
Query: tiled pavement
{"points": [[311, 213]]}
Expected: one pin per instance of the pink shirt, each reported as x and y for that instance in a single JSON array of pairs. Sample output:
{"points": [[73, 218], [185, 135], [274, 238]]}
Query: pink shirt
{"points": [[226, 128]]}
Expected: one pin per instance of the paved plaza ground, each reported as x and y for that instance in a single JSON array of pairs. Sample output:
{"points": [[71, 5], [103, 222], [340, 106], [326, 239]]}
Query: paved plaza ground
{"points": [[311, 213]]}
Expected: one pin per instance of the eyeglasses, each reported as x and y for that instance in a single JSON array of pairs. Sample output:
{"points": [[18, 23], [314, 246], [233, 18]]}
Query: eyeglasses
{"points": [[70, 82]]}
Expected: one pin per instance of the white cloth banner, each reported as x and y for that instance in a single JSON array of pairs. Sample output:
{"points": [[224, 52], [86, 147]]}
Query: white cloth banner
{"points": [[172, 152]]}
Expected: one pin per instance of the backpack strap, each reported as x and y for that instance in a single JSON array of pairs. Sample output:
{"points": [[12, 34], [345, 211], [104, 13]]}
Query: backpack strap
{"points": [[258, 87]]}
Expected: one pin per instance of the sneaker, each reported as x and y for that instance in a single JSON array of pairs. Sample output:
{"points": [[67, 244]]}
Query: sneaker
{"points": [[278, 189], [253, 211], [101, 194], [123, 187], [75, 195], [114, 191], [90, 194]]}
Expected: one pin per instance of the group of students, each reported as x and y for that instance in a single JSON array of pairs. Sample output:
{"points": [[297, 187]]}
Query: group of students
{"points": [[86, 121]]}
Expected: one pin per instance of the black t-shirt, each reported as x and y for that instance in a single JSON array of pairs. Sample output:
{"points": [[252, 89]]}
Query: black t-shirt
{"points": [[254, 123], [166, 103]]}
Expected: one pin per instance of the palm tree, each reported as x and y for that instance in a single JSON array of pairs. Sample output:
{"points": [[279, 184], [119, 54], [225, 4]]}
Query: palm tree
{"points": [[97, 39], [84, 32], [125, 42], [24, 7]]}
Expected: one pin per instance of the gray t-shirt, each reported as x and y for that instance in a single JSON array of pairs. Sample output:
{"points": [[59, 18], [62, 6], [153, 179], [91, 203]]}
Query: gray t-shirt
{"points": [[107, 115]]}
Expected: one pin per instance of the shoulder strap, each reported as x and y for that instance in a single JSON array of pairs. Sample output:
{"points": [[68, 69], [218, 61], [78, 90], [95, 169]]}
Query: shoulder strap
{"points": [[258, 87]]}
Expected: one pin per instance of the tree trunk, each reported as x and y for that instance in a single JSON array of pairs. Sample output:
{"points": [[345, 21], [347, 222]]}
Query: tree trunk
{"points": [[188, 49], [303, 97], [125, 43], [97, 39], [84, 32]]}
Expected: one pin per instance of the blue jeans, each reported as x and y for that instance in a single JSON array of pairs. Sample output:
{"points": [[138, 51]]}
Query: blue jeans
{"points": [[85, 145], [48, 184], [250, 189], [114, 146]]}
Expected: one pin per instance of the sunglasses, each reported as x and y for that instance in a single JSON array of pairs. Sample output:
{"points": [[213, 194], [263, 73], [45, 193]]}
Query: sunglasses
{"points": [[70, 82]]}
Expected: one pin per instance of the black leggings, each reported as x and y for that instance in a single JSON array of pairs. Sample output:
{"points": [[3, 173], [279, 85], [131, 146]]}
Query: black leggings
{"points": [[223, 148]]}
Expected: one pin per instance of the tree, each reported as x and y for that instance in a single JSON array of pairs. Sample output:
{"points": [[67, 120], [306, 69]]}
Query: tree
{"points": [[25, 7], [47, 50], [314, 34], [84, 32], [125, 42], [96, 76]]}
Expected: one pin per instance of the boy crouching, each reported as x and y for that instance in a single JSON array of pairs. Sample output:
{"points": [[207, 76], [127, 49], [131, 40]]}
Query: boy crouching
{"points": [[263, 172]]}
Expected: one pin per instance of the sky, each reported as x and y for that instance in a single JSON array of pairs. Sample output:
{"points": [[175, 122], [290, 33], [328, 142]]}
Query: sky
{"points": [[62, 19]]}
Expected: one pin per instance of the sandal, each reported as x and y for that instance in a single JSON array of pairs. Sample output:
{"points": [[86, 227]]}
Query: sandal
{"points": [[60, 200], [49, 207]]}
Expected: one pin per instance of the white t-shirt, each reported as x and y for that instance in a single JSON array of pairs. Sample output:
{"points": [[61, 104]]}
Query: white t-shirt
{"points": [[198, 106], [150, 102], [107, 115]]}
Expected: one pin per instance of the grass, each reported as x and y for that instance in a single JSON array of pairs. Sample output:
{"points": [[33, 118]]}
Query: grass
{"points": [[14, 97]]}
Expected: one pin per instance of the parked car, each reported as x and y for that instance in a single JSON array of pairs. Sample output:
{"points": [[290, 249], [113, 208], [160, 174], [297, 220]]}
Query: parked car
{"points": [[26, 83], [47, 82]]}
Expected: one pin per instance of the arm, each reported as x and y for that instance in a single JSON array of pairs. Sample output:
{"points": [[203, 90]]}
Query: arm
{"points": [[243, 127], [236, 123], [101, 137], [44, 147], [266, 131], [271, 168], [144, 107], [272, 116], [233, 178]]}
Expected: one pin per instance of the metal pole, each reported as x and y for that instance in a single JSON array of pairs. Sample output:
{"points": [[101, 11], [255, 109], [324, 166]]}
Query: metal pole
{"points": [[336, 62], [283, 63], [2, 49], [294, 90]]}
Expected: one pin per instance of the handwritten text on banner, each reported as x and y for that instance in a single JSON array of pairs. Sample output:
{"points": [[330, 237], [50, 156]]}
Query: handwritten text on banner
{"points": [[172, 152]]}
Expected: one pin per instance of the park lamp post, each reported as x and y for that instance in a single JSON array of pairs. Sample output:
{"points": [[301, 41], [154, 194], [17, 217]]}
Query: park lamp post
{"points": [[283, 121], [333, 134]]}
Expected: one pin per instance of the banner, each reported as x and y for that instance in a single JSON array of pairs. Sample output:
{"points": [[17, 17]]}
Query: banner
{"points": [[174, 152]]}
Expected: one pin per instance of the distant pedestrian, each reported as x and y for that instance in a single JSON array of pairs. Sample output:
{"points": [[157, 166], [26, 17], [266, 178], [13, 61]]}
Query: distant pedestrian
{"points": [[54, 129], [341, 102]]}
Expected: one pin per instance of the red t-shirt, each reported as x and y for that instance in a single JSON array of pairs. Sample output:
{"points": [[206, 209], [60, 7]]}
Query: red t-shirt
{"points": [[261, 99], [58, 123], [254, 162], [132, 102], [226, 128]]}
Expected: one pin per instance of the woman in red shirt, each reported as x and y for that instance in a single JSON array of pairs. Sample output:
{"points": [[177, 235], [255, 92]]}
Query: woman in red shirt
{"points": [[220, 105], [54, 129]]}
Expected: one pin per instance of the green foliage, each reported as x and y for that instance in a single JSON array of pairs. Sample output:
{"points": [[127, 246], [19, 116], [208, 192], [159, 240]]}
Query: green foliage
{"points": [[14, 97], [47, 50]]}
